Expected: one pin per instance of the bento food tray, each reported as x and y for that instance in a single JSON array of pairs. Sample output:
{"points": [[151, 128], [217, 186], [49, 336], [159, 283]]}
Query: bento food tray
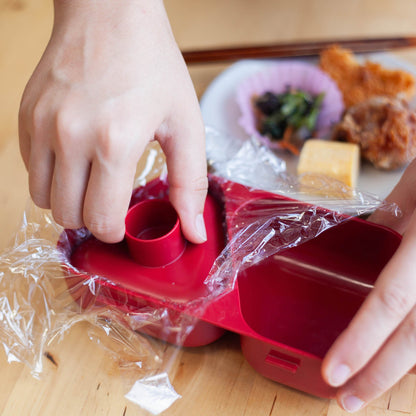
{"points": [[288, 308]]}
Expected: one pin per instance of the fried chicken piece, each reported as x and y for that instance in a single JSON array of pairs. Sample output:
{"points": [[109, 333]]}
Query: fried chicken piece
{"points": [[359, 82], [385, 130]]}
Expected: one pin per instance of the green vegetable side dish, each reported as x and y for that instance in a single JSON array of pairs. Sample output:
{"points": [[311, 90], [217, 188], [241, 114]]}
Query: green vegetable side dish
{"points": [[280, 115]]}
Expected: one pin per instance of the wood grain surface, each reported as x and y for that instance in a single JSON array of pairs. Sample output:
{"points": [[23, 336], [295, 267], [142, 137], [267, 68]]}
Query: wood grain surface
{"points": [[82, 379]]}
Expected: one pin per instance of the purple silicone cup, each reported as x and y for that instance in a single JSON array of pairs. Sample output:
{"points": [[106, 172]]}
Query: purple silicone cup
{"points": [[277, 78]]}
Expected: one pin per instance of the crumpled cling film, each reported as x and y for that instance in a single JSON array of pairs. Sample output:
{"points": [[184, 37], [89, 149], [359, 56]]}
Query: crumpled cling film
{"points": [[38, 305]]}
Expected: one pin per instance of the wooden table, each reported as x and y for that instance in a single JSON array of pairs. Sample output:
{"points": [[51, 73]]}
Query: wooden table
{"points": [[214, 380]]}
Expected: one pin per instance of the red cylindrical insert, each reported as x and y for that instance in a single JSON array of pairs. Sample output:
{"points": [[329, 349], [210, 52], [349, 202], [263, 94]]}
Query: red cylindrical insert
{"points": [[153, 233]]}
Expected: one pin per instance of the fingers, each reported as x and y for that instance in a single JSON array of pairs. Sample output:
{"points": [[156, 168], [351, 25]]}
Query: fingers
{"points": [[68, 190], [71, 168], [94, 174], [107, 199], [187, 173], [80, 172], [24, 141], [35, 130], [364, 351], [388, 367], [41, 166]]}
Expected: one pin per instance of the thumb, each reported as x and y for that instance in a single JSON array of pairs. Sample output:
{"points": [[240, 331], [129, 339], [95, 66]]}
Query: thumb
{"points": [[404, 195], [184, 148]]}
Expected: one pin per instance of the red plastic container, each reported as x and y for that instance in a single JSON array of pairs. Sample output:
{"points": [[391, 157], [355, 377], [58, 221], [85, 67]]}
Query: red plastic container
{"points": [[288, 308]]}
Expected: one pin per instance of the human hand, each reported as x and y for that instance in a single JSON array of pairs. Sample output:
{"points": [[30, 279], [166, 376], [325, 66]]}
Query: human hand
{"points": [[110, 80], [379, 346]]}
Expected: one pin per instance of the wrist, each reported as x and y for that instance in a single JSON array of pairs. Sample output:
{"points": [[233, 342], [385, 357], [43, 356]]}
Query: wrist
{"points": [[107, 10]]}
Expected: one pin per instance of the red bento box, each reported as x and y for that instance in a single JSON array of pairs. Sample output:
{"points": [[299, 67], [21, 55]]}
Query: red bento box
{"points": [[288, 308]]}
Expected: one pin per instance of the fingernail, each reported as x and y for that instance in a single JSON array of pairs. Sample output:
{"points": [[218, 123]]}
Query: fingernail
{"points": [[339, 375], [200, 227], [352, 404]]}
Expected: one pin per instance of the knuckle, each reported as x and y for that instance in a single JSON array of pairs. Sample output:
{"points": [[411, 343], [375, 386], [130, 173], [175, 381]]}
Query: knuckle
{"points": [[200, 184], [104, 227], [67, 221], [38, 116], [38, 112], [39, 198], [39, 193], [395, 302], [108, 146], [66, 126]]}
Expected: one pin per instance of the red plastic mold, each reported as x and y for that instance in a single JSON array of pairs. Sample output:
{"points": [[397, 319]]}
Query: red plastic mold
{"points": [[288, 308]]}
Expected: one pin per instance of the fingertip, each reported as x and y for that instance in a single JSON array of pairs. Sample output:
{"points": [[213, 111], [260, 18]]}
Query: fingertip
{"points": [[107, 199], [200, 227], [337, 375], [107, 234], [193, 227], [40, 200], [189, 204], [106, 224], [111, 238], [195, 233], [336, 369], [350, 403]]}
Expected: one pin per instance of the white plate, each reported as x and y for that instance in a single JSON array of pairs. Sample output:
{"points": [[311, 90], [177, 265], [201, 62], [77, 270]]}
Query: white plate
{"points": [[220, 111]]}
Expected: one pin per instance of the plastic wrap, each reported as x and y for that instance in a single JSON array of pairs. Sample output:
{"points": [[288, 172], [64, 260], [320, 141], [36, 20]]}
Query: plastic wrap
{"points": [[43, 294]]}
